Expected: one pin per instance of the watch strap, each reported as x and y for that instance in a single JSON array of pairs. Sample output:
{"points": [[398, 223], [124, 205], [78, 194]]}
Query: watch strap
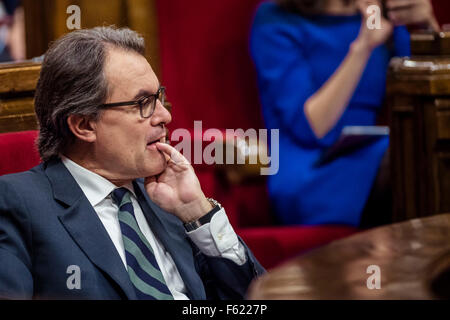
{"points": [[191, 226]]}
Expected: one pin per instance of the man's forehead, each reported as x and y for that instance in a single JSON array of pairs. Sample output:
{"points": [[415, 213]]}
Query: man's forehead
{"points": [[130, 71]]}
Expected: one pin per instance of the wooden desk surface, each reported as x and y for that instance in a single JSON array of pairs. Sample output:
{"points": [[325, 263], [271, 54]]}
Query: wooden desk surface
{"points": [[410, 255]]}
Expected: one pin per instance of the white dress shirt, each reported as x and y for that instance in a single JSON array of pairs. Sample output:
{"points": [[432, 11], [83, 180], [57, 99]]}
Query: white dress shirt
{"points": [[216, 238]]}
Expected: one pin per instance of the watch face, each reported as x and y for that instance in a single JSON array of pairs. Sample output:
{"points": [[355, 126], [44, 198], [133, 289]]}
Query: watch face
{"points": [[213, 202]]}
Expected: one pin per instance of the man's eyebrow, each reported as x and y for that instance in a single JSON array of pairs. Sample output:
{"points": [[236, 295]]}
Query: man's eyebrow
{"points": [[143, 93]]}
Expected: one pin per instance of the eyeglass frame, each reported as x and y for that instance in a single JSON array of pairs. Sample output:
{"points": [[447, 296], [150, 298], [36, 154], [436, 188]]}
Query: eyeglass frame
{"points": [[161, 91]]}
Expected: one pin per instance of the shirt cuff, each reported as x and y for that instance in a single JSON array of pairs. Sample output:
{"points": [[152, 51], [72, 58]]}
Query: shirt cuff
{"points": [[218, 239]]}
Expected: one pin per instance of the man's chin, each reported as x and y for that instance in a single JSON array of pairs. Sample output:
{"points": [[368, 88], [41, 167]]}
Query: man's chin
{"points": [[156, 168]]}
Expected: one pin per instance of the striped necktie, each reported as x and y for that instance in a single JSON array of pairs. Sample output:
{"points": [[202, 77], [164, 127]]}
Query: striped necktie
{"points": [[143, 269]]}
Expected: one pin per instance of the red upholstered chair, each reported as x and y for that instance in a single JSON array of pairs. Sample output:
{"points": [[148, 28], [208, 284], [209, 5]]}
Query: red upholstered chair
{"points": [[442, 11], [246, 205], [18, 151], [206, 67], [209, 75]]}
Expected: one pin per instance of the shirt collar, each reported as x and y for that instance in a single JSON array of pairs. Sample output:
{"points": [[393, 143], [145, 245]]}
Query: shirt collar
{"points": [[95, 187]]}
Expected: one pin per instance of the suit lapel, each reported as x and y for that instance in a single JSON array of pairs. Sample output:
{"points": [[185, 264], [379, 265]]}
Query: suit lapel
{"points": [[171, 234], [83, 224]]}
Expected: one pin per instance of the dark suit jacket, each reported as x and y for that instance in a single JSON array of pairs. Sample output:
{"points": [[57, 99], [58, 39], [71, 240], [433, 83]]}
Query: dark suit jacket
{"points": [[47, 224]]}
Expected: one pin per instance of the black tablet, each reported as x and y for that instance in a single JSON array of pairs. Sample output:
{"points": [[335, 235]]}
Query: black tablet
{"points": [[352, 138]]}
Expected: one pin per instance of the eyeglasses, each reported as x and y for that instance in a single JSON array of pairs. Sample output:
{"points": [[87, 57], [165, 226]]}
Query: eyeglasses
{"points": [[147, 104]]}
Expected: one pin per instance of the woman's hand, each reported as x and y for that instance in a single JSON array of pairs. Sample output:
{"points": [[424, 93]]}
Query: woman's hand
{"points": [[177, 189], [371, 38], [326, 106], [406, 12]]}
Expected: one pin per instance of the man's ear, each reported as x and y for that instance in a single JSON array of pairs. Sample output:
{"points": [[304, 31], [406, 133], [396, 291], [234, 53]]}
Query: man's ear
{"points": [[83, 127]]}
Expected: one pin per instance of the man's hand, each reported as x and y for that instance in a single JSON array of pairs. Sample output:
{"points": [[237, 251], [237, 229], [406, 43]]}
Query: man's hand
{"points": [[407, 12], [177, 189]]}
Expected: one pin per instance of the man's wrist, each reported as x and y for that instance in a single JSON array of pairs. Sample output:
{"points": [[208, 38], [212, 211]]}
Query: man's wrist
{"points": [[204, 219], [194, 211]]}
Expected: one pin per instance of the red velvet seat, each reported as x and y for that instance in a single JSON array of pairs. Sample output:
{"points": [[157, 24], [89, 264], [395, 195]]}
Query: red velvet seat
{"points": [[18, 151], [442, 11], [270, 244], [209, 76]]}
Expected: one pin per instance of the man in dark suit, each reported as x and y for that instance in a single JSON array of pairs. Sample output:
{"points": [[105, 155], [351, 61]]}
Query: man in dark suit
{"points": [[113, 212]]}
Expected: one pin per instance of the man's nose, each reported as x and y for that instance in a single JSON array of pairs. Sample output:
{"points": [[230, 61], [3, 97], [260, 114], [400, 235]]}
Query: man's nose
{"points": [[160, 115]]}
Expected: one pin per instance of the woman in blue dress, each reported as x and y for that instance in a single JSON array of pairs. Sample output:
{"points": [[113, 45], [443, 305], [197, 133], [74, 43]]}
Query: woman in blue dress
{"points": [[321, 68]]}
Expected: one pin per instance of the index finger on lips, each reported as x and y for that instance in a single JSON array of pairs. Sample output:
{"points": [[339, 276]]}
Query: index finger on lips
{"points": [[173, 153]]}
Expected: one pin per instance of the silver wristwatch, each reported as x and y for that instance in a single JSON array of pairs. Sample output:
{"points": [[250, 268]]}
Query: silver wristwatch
{"points": [[191, 226]]}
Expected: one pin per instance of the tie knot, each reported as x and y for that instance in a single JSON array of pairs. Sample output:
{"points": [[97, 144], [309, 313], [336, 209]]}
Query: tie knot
{"points": [[118, 195]]}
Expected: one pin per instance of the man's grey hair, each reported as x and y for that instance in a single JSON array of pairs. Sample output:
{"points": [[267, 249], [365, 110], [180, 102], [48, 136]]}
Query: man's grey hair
{"points": [[72, 82]]}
